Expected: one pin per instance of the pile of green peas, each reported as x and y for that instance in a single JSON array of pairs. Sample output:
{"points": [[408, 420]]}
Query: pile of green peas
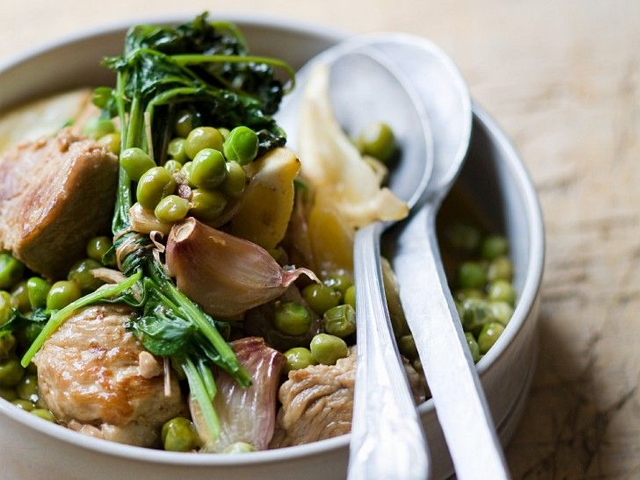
{"points": [[334, 300], [208, 160], [483, 292]]}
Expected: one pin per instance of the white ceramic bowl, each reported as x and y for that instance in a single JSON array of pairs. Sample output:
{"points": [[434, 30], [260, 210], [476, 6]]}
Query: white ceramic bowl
{"points": [[495, 178]]}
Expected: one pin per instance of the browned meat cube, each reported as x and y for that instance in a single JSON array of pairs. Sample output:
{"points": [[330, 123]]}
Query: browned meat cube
{"points": [[317, 402], [96, 377], [54, 196]]}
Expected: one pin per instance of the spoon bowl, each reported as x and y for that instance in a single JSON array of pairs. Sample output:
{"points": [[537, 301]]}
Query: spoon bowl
{"points": [[365, 86]]}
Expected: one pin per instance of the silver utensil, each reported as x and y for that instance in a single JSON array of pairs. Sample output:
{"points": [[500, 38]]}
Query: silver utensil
{"points": [[387, 441], [459, 399]]}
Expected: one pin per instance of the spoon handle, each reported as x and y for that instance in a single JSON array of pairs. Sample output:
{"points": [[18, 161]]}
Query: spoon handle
{"points": [[459, 399], [387, 441]]}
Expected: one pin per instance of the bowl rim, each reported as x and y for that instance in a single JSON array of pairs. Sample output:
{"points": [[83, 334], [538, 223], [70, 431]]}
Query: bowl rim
{"points": [[523, 308]]}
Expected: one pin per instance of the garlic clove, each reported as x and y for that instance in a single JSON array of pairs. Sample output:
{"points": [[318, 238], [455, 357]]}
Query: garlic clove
{"points": [[225, 274]]}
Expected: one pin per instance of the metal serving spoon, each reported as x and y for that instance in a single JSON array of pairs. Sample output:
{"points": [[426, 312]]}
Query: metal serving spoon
{"points": [[387, 441], [459, 399]]}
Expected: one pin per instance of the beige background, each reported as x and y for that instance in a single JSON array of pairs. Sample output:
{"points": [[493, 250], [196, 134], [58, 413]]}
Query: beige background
{"points": [[563, 79]]}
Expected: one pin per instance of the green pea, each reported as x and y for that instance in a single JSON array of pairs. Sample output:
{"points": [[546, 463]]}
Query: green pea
{"points": [[473, 346], [407, 347], [239, 447], [153, 186], [350, 296], [475, 313], [208, 169], [171, 209], [98, 127], [464, 293], [37, 289], [5, 306], [502, 311], [172, 166], [471, 275], [9, 394], [339, 282], [27, 389], [207, 205], [176, 150], [25, 405], [81, 273], [97, 247], [328, 349], [500, 268], [501, 291], [463, 237], [236, 180], [186, 172], [201, 138], [20, 297], [11, 372], [62, 293], [136, 162], [377, 140], [44, 414], [298, 358], [179, 435], [241, 145], [320, 297], [185, 122], [224, 132], [488, 336], [11, 270], [292, 318], [340, 321], [493, 246], [111, 142], [7, 345]]}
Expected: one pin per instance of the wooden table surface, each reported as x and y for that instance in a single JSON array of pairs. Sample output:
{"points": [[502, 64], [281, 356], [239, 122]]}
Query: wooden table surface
{"points": [[562, 77]]}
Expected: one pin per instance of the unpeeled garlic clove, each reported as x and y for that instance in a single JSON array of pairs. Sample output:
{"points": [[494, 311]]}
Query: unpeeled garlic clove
{"points": [[226, 275]]}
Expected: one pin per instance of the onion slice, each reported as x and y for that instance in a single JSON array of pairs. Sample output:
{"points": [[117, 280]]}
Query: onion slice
{"points": [[333, 165], [226, 275], [246, 414]]}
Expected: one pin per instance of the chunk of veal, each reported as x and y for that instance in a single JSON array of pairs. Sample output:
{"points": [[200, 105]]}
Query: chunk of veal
{"points": [[96, 378], [317, 402], [55, 195]]}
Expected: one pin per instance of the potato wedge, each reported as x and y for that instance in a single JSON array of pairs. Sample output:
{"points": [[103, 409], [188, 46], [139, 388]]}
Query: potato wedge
{"points": [[331, 238], [268, 200]]}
